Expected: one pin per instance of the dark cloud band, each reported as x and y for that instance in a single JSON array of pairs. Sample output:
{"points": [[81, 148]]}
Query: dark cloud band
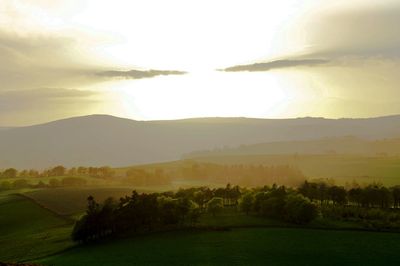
{"points": [[276, 64], [138, 74]]}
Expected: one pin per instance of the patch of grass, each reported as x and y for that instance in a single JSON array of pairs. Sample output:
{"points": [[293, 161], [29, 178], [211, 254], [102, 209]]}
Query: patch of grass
{"points": [[72, 201], [28, 231], [257, 246], [233, 218]]}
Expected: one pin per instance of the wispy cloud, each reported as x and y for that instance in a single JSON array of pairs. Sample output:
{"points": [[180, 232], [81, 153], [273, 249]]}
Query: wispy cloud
{"points": [[34, 60], [138, 74], [277, 64]]}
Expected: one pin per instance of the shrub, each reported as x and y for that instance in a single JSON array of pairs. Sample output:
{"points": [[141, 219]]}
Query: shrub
{"points": [[299, 209], [215, 205]]}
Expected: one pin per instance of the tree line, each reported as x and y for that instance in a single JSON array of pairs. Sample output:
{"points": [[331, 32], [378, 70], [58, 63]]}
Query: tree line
{"points": [[156, 211], [52, 183], [376, 208], [59, 170]]}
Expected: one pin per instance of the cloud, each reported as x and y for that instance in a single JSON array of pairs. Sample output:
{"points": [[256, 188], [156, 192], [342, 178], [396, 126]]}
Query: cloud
{"points": [[138, 74], [285, 63], [361, 32], [344, 36], [34, 60]]}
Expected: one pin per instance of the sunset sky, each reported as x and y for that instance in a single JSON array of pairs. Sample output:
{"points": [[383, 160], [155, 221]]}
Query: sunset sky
{"points": [[170, 59]]}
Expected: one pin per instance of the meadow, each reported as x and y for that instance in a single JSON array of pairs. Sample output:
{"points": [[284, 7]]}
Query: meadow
{"points": [[36, 223], [37, 229], [255, 246], [29, 231]]}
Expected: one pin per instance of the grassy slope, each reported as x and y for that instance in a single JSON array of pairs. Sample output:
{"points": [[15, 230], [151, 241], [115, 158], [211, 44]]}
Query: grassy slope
{"points": [[342, 168], [257, 246], [29, 231], [72, 201]]}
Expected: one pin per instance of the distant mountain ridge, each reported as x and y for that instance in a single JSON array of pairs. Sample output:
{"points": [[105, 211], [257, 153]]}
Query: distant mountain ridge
{"points": [[106, 140]]}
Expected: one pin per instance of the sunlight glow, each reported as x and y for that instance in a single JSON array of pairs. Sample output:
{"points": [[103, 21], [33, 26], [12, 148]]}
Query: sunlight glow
{"points": [[193, 95]]}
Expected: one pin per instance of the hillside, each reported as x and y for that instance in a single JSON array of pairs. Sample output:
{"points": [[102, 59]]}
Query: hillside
{"points": [[28, 231], [105, 140], [340, 145]]}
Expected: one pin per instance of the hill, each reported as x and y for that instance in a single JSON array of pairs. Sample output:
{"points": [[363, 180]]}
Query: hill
{"points": [[105, 140], [340, 145]]}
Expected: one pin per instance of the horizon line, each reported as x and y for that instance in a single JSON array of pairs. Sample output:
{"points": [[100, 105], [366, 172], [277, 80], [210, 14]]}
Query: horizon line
{"points": [[198, 118]]}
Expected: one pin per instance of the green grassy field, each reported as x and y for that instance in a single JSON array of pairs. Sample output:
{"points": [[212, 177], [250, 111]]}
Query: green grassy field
{"points": [[257, 246], [72, 201], [28, 231]]}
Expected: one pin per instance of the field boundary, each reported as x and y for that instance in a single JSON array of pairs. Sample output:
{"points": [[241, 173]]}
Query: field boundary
{"points": [[66, 218]]}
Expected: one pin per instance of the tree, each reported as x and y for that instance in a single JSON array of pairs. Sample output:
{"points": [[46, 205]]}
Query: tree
{"points": [[58, 171], [396, 196], [246, 202], [10, 173], [299, 209], [215, 205], [338, 195]]}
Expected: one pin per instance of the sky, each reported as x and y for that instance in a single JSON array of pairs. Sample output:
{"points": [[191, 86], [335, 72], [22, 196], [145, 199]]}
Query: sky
{"points": [[172, 59]]}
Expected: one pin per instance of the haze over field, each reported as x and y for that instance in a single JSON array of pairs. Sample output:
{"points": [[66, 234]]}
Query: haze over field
{"points": [[106, 140]]}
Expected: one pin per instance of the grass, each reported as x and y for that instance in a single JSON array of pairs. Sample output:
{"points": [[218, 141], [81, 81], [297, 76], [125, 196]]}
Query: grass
{"points": [[341, 168], [28, 231], [72, 201], [255, 246]]}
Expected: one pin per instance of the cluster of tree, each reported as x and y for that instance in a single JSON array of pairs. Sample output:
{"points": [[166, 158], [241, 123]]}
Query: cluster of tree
{"points": [[155, 211], [16, 184], [100, 172], [244, 175], [373, 195], [139, 212], [141, 177], [374, 205], [53, 183], [280, 203], [375, 218]]}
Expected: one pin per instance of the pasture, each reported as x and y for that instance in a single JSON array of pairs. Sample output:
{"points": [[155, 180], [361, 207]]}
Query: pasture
{"points": [[256, 246], [28, 231]]}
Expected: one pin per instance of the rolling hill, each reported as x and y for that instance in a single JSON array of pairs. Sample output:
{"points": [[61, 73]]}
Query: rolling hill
{"points": [[106, 140], [338, 145]]}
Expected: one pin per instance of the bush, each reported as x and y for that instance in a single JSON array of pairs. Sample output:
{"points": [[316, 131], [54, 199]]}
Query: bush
{"points": [[20, 183], [215, 205], [246, 202], [299, 209], [272, 207]]}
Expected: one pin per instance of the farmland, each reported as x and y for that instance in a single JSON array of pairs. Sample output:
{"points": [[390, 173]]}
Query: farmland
{"points": [[257, 246]]}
